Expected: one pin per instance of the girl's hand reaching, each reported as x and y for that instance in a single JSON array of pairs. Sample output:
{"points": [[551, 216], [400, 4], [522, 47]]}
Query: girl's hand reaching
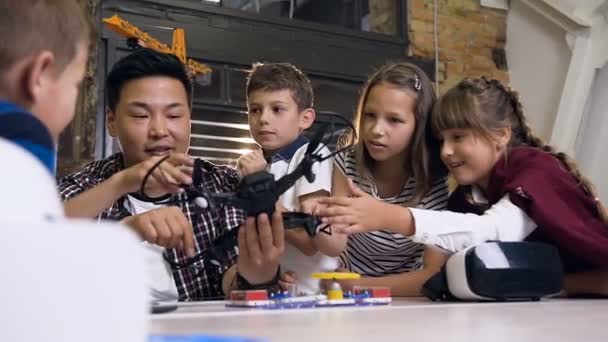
{"points": [[359, 212]]}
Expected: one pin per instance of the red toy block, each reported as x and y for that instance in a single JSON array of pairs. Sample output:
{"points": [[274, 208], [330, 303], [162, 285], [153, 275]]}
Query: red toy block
{"points": [[374, 291], [249, 295]]}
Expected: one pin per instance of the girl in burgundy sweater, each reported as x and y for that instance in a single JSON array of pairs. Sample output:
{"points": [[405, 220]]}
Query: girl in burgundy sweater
{"points": [[511, 187]]}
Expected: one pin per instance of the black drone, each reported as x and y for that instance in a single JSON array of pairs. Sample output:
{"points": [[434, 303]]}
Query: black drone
{"points": [[257, 193]]}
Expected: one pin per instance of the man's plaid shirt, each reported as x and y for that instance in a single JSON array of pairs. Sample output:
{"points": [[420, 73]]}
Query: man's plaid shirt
{"points": [[192, 283]]}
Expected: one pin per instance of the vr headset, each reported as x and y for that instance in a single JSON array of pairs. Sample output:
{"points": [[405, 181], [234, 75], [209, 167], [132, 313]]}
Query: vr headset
{"points": [[498, 271]]}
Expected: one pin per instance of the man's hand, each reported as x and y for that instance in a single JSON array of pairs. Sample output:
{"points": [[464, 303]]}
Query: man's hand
{"points": [[166, 227], [261, 244], [166, 178], [251, 163]]}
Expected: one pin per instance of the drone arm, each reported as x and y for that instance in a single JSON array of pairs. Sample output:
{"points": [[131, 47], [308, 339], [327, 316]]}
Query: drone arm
{"points": [[208, 200], [290, 179], [303, 169]]}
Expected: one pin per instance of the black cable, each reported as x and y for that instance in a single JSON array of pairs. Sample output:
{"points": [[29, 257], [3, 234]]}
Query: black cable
{"points": [[156, 200], [325, 143]]}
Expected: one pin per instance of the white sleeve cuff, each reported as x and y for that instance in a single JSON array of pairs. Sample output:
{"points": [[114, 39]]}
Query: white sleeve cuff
{"points": [[504, 221]]}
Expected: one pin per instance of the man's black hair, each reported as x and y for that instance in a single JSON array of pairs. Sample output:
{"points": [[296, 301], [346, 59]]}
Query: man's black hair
{"points": [[144, 63]]}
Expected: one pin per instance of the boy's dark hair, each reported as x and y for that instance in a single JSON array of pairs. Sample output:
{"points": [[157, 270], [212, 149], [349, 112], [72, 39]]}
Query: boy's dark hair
{"points": [[280, 76], [144, 63], [30, 26]]}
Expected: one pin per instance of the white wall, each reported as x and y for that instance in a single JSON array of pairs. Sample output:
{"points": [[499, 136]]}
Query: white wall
{"points": [[552, 79], [538, 58], [579, 8], [591, 145]]}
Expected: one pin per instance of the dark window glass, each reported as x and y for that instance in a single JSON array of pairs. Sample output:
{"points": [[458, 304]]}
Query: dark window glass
{"points": [[210, 89], [238, 83], [335, 96], [362, 15]]}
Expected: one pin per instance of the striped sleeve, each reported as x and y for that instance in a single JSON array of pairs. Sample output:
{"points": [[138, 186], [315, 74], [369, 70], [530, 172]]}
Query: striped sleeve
{"points": [[437, 198]]}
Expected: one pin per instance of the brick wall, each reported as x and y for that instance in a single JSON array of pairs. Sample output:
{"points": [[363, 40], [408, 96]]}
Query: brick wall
{"points": [[471, 38]]}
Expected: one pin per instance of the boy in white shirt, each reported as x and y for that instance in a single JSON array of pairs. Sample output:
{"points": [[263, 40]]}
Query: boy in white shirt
{"points": [[280, 101]]}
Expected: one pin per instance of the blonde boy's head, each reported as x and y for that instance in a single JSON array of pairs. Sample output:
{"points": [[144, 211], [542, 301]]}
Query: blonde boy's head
{"points": [[42, 57]]}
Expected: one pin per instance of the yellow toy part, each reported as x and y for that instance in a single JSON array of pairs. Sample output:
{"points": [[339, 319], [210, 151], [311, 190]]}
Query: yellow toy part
{"points": [[178, 48], [335, 292], [336, 275]]}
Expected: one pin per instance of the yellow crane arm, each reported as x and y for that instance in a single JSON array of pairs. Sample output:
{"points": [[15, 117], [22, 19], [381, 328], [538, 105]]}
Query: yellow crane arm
{"points": [[178, 48]]}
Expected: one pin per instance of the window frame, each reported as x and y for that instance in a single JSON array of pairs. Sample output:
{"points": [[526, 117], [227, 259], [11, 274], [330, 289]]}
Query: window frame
{"points": [[401, 36]]}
